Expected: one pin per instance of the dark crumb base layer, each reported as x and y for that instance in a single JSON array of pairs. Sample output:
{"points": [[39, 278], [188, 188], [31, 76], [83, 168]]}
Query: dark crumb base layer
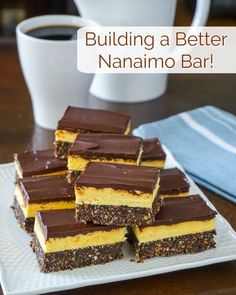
{"points": [[187, 244], [62, 149], [72, 176], [117, 215], [69, 259], [26, 223]]}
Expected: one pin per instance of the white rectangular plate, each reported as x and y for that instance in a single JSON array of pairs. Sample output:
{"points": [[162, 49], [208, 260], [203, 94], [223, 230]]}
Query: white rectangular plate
{"points": [[20, 273]]}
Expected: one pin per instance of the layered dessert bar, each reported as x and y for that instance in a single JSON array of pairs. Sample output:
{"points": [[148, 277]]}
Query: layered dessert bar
{"points": [[35, 163], [79, 120], [153, 154], [41, 193], [109, 148], [117, 194], [61, 243], [173, 183], [183, 226]]}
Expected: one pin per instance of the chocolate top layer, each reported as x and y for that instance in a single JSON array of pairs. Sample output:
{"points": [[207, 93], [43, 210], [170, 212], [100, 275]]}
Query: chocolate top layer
{"points": [[109, 146], [152, 150], [62, 223], [176, 210], [46, 189], [118, 176], [39, 162], [90, 120], [173, 180]]}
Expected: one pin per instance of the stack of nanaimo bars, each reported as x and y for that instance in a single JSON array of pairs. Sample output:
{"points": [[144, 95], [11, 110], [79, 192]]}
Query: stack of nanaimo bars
{"points": [[101, 186]]}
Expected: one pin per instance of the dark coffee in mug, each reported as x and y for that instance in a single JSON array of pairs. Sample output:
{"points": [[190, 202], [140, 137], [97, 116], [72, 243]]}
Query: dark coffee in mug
{"points": [[56, 32]]}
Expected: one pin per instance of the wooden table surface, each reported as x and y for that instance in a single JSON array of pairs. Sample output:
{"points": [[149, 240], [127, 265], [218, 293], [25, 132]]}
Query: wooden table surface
{"points": [[18, 133]]}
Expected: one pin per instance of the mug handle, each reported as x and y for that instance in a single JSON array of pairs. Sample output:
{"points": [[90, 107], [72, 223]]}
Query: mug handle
{"points": [[201, 13], [200, 18]]}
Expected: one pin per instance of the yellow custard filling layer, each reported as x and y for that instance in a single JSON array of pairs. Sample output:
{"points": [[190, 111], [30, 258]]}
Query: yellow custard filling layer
{"points": [[62, 172], [78, 163], [66, 136], [96, 238], [69, 136], [29, 210], [163, 196], [160, 232], [153, 163], [110, 196]]}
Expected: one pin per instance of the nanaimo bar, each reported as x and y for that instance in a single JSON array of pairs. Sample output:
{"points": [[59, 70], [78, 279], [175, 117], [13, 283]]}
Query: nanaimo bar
{"points": [[60, 243], [39, 163], [41, 193], [183, 226], [109, 148], [153, 154], [173, 183], [117, 194], [79, 120]]}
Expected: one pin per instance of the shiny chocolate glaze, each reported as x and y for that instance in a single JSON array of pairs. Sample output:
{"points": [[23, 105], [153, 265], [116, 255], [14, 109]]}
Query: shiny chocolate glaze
{"points": [[119, 176], [152, 150], [173, 181], [91, 120], [46, 189], [176, 210], [108, 146], [62, 223], [39, 162]]}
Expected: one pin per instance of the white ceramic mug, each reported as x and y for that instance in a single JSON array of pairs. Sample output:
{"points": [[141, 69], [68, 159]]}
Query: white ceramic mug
{"points": [[134, 87], [50, 71]]}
